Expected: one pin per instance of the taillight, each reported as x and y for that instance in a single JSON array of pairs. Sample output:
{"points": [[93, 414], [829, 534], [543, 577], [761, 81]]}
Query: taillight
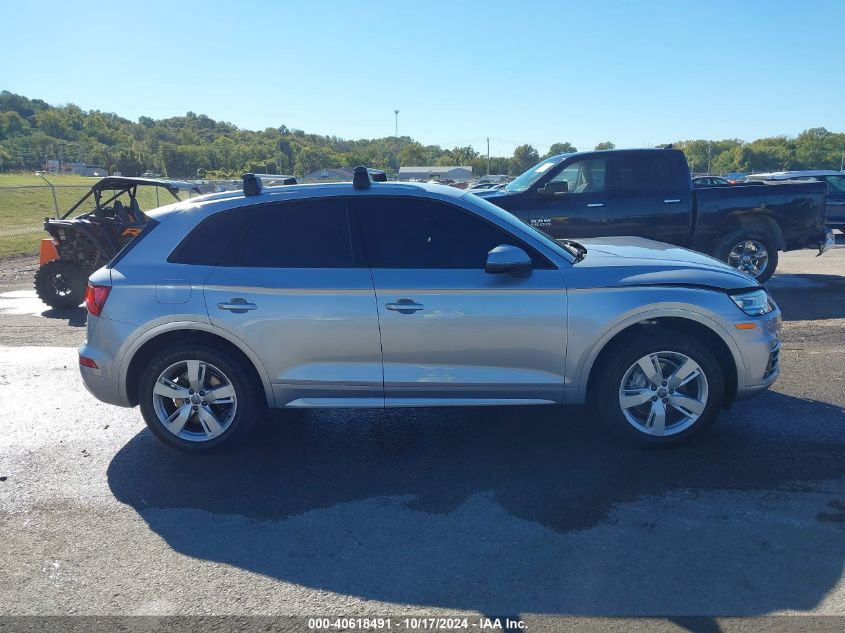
{"points": [[95, 298], [87, 362]]}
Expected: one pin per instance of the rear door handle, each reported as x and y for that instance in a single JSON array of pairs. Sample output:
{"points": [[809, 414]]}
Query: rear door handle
{"points": [[404, 306], [671, 200], [593, 205], [238, 305]]}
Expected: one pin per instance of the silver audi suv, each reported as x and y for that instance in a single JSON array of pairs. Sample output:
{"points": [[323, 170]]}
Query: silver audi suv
{"points": [[375, 294]]}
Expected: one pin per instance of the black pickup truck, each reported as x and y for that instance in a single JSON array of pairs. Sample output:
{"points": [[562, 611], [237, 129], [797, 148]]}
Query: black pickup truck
{"points": [[648, 193]]}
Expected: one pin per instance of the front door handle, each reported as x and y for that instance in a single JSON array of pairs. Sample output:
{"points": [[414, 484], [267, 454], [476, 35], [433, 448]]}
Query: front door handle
{"points": [[593, 205], [671, 200], [404, 306], [238, 305]]}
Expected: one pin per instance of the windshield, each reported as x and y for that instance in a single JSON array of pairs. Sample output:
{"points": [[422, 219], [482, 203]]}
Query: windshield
{"points": [[534, 174], [836, 183]]}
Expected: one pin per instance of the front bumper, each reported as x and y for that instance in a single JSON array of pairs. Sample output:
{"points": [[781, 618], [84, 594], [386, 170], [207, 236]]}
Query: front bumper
{"points": [[760, 350], [824, 241]]}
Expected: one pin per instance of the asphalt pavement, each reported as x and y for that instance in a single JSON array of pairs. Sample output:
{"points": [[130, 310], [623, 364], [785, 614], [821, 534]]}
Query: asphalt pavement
{"points": [[523, 511]]}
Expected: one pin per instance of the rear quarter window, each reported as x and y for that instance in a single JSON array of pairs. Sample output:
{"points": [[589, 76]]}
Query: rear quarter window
{"points": [[206, 244]]}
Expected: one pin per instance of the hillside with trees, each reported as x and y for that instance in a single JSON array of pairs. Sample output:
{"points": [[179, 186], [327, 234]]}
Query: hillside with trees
{"points": [[32, 131]]}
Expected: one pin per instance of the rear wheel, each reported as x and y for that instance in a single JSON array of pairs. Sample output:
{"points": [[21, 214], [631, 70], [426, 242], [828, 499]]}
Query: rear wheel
{"points": [[753, 255], [196, 398], [61, 284], [659, 387]]}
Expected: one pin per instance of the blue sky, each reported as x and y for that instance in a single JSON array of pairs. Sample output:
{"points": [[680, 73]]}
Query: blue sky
{"points": [[636, 73]]}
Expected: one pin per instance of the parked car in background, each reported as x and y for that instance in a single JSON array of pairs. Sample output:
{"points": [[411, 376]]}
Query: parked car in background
{"points": [[481, 184], [647, 193], [399, 294], [709, 181], [835, 181]]}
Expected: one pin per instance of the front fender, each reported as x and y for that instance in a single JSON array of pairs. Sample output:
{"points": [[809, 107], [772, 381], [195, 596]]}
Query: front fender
{"points": [[585, 346]]}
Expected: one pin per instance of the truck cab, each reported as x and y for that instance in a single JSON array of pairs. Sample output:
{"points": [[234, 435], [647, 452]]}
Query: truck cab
{"points": [[648, 193]]}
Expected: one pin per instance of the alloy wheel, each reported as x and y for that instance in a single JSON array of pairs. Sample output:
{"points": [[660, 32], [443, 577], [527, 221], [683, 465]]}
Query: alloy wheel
{"points": [[194, 400], [750, 257], [663, 393]]}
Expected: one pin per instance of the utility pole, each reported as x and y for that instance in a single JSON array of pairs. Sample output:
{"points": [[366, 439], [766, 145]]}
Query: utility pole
{"points": [[488, 155], [842, 162], [396, 131], [709, 145]]}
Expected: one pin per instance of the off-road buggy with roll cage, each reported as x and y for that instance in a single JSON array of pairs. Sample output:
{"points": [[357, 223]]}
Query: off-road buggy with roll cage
{"points": [[80, 245]]}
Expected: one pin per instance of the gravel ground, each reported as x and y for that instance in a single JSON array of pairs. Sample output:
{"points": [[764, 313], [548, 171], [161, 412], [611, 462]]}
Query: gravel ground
{"points": [[493, 511]]}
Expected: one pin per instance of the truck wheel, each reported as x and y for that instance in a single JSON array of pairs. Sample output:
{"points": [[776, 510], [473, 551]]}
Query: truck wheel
{"points": [[196, 398], [60, 284], [753, 255], [659, 387]]}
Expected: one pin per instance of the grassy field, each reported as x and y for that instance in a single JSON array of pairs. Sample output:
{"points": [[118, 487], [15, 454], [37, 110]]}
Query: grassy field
{"points": [[25, 200]]}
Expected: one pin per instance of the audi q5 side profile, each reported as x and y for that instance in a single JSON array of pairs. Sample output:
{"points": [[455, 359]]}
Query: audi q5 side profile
{"points": [[376, 294]]}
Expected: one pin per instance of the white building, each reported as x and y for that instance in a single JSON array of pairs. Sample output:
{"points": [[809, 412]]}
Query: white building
{"points": [[436, 172]]}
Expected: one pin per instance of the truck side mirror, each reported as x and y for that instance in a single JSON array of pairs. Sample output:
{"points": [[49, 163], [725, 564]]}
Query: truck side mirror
{"points": [[554, 189]]}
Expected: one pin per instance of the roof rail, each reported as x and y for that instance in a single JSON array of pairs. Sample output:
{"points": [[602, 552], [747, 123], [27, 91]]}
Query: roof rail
{"points": [[363, 176], [254, 183]]}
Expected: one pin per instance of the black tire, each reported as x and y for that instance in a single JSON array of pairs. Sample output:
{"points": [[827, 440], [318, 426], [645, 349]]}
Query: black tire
{"points": [[61, 284], [236, 427], [606, 389], [727, 245]]}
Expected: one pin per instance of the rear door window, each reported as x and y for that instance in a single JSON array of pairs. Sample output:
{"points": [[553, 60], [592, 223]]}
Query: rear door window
{"points": [[643, 173], [296, 234]]}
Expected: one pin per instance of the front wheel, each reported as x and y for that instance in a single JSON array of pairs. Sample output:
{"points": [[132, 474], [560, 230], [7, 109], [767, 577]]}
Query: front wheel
{"points": [[755, 256], [659, 387], [195, 398]]}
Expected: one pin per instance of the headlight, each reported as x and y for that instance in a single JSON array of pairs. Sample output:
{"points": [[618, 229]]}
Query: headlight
{"points": [[755, 303]]}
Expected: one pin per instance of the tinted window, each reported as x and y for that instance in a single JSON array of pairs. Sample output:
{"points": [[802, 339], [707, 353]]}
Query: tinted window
{"points": [[415, 233], [296, 234], [207, 243], [584, 176], [641, 172], [836, 183]]}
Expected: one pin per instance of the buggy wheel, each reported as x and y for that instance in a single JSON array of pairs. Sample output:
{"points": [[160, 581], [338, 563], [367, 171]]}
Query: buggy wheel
{"points": [[60, 284]]}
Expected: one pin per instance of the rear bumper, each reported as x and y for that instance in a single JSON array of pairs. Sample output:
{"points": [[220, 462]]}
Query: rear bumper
{"points": [[103, 388], [104, 346]]}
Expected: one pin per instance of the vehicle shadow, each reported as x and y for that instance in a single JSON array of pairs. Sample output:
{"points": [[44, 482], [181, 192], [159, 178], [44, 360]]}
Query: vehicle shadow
{"points": [[808, 297], [75, 317], [510, 509]]}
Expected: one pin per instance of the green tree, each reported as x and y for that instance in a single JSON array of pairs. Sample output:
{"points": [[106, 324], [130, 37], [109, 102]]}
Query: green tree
{"points": [[12, 123], [605, 145], [412, 155], [524, 157], [560, 148]]}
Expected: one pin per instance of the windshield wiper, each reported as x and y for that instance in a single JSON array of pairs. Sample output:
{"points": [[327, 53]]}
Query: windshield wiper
{"points": [[580, 250]]}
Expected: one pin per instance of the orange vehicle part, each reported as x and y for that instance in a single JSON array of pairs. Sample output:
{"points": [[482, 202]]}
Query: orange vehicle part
{"points": [[48, 251]]}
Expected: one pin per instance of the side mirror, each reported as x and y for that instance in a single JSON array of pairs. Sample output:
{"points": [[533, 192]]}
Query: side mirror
{"points": [[554, 189], [508, 259]]}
